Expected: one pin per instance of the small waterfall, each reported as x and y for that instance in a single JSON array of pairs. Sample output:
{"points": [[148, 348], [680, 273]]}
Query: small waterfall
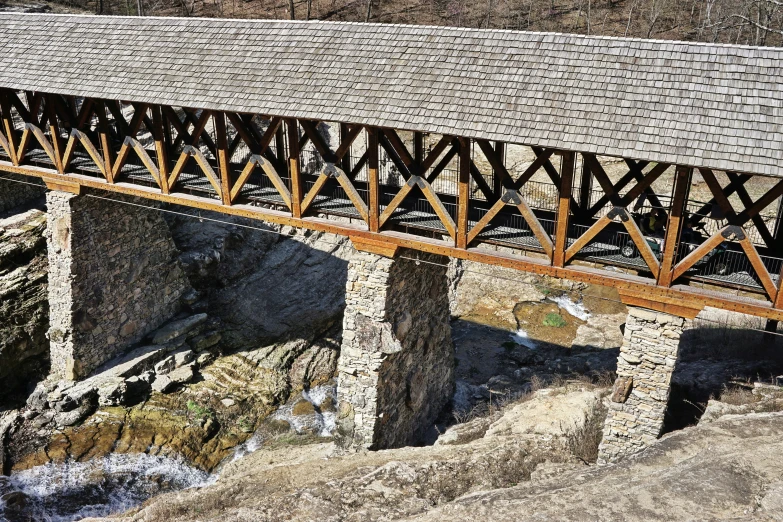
{"points": [[113, 484], [75, 490]]}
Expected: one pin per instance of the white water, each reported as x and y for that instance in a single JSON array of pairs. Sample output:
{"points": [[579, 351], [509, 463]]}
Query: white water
{"points": [[521, 338], [116, 483], [321, 423], [76, 490], [577, 310]]}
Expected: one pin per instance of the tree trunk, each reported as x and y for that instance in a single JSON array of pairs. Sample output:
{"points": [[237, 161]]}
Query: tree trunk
{"points": [[291, 9], [369, 11], [140, 7], [309, 8]]}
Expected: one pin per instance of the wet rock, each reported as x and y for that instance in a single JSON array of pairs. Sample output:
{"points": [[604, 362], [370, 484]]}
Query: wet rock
{"points": [[327, 405], [317, 365], [303, 407], [178, 328]]}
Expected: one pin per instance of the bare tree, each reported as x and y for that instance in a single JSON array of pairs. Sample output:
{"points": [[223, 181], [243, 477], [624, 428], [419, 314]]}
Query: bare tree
{"points": [[369, 11], [291, 9]]}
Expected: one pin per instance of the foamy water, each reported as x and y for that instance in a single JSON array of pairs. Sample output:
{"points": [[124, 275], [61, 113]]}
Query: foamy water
{"points": [[113, 484], [321, 423], [577, 310], [72, 491], [520, 337]]}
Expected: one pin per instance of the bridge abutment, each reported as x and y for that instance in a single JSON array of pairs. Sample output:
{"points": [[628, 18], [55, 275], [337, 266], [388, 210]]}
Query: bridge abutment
{"points": [[396, 367], [640, 395], [113, 278]]}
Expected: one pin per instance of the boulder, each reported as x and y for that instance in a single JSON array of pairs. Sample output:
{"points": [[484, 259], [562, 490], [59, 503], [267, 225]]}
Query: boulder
{"points": [[178, 328], [171, 381], [547, 413]]}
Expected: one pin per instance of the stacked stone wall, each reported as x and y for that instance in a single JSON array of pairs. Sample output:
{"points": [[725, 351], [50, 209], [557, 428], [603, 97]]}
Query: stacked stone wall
{"points": [[396, 367], [18, 192], [114, 277], [641, 392]]}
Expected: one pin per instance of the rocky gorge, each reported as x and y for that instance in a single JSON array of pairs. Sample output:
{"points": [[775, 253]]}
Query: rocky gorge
{"points": [[237, 387]]}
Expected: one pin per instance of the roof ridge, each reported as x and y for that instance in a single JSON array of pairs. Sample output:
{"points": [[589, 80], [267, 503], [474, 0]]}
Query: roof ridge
{"points": [[578, 36]]}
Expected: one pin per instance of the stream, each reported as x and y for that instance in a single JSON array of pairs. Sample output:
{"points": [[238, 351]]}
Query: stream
{"points": [[73, 491]]}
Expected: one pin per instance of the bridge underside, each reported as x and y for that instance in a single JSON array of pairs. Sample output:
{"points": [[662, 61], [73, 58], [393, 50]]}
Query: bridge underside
{"points": [[561, 213]]}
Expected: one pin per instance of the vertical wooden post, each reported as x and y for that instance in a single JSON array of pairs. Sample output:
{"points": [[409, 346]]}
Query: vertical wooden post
{"points": [[8, 126], [221, 142], [563, 208], [282, 160], [373, 181], [162, 151], [779, 296], [293, 167], [585, 188], [497, 186], [682, 180], [463, 191], [54, 132], [103, 134], [418, 151], [345, 162]]}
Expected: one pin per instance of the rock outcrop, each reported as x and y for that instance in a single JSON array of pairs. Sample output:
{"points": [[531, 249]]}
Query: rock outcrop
{"points": [[265, 282], [24, 318]]}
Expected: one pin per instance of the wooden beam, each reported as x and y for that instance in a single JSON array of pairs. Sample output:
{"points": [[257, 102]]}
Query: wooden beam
{"points": [[641, 242], [463, 193], [160, 148], [397, 200], [374, 246], [682, 182], [108, 152], [759, 267], [63, 186], [293, 168], [640, 299], [778, 303], [500, 152], [705, 248], [373, 181], [54, 132], [585, 188], [758, 221], [588, 236], [224, 168], [563, 209]]}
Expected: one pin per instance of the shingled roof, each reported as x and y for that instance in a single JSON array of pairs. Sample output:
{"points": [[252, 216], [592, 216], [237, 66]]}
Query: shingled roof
{"points": [[718, 106]]}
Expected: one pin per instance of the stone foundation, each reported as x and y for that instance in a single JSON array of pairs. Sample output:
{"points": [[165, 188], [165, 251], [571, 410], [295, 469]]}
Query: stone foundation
{"points": [[396, 366], [15, 193], [113, 278], [641, 392]]}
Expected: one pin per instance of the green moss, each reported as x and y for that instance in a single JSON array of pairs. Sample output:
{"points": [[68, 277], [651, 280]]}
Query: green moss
{"points": [[554, 320]]}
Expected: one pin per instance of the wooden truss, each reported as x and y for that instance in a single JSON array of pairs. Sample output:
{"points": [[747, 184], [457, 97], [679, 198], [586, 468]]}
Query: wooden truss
{"points": [[163, 152]]}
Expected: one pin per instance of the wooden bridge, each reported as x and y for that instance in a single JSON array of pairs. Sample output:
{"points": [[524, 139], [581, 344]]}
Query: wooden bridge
{"points": [[545, 153]]}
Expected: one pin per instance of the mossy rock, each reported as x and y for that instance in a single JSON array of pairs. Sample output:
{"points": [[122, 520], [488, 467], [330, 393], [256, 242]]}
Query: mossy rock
{"points": [[303, 407]]}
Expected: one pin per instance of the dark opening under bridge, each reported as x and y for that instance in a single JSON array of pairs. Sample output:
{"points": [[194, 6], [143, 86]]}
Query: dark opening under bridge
{"points": [[541, 152]]}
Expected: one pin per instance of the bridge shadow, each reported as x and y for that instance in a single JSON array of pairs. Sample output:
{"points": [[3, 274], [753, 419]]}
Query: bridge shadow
{"points": [[715, 357]]}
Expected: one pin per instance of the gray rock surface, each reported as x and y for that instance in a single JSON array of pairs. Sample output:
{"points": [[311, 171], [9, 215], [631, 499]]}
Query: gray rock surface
{"points": [[24, 309], [264, 282]]}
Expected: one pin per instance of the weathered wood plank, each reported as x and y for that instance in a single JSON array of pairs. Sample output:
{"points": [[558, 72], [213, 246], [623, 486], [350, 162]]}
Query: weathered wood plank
{"points": [[682, 181]]}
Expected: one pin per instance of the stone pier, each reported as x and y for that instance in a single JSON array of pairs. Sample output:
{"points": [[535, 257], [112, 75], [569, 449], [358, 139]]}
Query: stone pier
{"points": [[644, 370], [396, 367], [113, 277]]}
